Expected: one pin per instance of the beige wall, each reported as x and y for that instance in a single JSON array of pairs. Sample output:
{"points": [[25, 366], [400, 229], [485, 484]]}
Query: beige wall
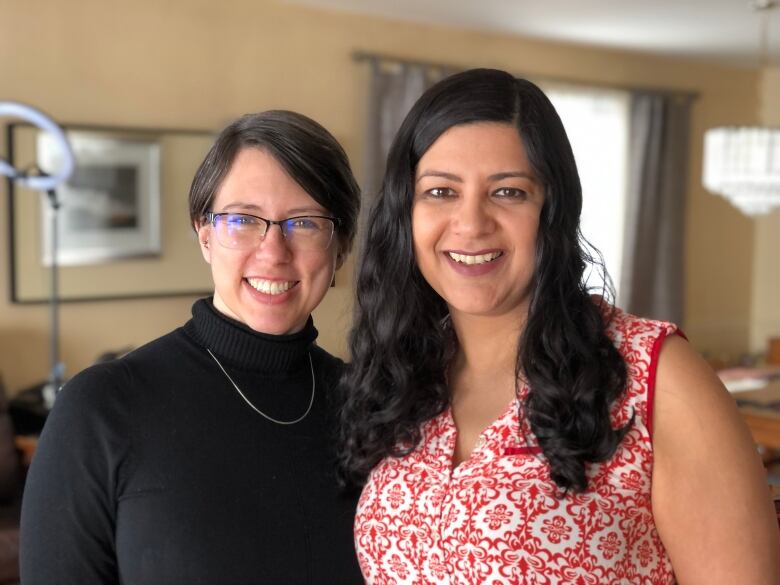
{"points": [[198, 63], [766, 271]]}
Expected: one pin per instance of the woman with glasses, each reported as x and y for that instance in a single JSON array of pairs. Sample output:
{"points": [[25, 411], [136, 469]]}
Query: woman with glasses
{"points": [[206, 455], [508, 427]]}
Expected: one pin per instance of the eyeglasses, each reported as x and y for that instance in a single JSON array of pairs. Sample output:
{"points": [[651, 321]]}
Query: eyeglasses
{"points": [[241, 231]]}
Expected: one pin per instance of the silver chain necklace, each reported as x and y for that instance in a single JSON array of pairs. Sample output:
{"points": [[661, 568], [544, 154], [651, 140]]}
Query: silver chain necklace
{"points": [[260, 412]]}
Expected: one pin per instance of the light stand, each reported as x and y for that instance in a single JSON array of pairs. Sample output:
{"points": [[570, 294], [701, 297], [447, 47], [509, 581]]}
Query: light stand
{"points": [[44, 182], [57, 371]]}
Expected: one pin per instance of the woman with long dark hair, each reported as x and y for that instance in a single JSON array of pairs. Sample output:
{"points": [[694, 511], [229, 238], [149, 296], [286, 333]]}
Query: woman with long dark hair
{"points": [[509, 427], [207, 455]]}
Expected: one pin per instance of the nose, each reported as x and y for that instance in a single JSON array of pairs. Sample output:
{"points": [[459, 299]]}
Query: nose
{"points": [[472, 216], [274, 246]]}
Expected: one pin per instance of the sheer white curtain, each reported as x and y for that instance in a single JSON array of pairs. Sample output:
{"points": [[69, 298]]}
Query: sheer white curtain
{"points": [[597, 123]]}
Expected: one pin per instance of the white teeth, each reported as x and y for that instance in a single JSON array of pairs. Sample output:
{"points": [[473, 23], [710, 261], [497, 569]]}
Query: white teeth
{"points": [[474, 258], [270, 287]]}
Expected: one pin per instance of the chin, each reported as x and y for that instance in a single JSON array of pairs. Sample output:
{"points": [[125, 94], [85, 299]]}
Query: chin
{"points": [[472, 306], [486, 309], [272, 318]]}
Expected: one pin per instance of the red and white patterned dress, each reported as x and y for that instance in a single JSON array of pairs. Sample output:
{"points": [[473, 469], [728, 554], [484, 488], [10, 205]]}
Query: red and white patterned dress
{"points": [[496, 518]]}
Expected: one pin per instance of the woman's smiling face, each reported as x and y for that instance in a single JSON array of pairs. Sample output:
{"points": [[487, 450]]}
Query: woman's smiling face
{"points": [[475, 219], [271, 288]]}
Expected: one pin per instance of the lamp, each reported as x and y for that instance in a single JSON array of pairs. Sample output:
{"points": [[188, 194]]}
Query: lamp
{"points": [[45, 183], [742, 164]]}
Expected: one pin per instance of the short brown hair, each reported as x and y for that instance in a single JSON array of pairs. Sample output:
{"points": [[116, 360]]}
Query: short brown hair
{"points": [[305, 149]]}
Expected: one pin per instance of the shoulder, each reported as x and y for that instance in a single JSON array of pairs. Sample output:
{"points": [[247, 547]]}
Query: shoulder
{"points": [[688, 393], [110, 387], [164, 349], [710, 497], [693, 408], [638, 340], [632, 334], [96, 403], [328, 366], [90, 424], [96, 385]]}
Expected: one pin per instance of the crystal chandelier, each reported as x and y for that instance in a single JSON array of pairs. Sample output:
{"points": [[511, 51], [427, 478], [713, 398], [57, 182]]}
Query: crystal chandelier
{"points": [[742, 164]]}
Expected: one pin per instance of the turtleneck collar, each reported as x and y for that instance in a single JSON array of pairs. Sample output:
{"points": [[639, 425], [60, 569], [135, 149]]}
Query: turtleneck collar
{"points": [[246, 348]]}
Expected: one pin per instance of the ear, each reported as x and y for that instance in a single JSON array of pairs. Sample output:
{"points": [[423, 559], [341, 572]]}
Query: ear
{"points": [[341, 256], [204, 239]]}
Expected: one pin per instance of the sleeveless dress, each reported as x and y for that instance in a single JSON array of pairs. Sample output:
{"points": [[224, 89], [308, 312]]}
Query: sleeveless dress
{"points": [[497, 518]]}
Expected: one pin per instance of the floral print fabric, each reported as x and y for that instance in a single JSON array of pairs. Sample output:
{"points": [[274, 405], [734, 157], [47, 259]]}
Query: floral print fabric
{"points": [[498, 518]]}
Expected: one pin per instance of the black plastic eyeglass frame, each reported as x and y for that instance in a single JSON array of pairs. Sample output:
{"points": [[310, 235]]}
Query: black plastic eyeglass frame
{"points": [[211, 217]]}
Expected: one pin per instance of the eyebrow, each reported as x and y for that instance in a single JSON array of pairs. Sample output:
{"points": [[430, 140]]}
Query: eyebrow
{"points": [[494, 177], [513, 175], [440, 174]]}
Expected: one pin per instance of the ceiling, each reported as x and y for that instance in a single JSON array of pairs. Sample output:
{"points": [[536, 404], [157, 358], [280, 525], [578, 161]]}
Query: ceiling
{"points": [[725, 31]]}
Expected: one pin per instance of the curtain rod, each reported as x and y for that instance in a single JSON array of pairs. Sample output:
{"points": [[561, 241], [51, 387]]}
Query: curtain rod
{"points": [[364, 56], [369, 56]]}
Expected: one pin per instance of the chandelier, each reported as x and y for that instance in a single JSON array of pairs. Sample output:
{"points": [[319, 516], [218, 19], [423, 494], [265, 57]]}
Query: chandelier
{"points": [[742, 164]]}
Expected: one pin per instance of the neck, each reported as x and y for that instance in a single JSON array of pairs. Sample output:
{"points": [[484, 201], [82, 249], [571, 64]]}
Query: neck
{"points": [[236, 345], [487, 347]]}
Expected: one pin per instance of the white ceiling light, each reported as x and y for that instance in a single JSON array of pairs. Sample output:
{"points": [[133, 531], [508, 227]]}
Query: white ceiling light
{"points": [[742, 164]]}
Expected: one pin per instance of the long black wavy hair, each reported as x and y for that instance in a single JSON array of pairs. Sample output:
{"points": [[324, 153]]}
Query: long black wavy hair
{"points": [[401, 351]]}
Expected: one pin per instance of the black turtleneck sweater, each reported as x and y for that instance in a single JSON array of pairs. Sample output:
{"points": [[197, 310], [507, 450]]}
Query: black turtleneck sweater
{"points": [[152, 469]]}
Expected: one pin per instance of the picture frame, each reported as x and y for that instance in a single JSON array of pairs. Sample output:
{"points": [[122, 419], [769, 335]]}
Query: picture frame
{"points": [[154, 253], [110, 206]]}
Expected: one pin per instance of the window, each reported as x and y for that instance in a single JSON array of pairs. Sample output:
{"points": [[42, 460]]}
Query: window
{"points": [[597, 122]]}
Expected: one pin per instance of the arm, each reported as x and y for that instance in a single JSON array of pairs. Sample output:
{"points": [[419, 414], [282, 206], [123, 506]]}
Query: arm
{"points": [[68, 509], [710, 495]]}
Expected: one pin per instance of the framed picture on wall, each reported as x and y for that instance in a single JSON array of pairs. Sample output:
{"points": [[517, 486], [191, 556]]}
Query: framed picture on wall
{"points": [[110, 207], [123, 226]]}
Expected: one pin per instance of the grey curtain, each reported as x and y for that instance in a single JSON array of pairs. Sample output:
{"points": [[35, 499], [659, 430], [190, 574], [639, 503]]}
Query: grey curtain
{"points": [[394, 87], [653, 261]]}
